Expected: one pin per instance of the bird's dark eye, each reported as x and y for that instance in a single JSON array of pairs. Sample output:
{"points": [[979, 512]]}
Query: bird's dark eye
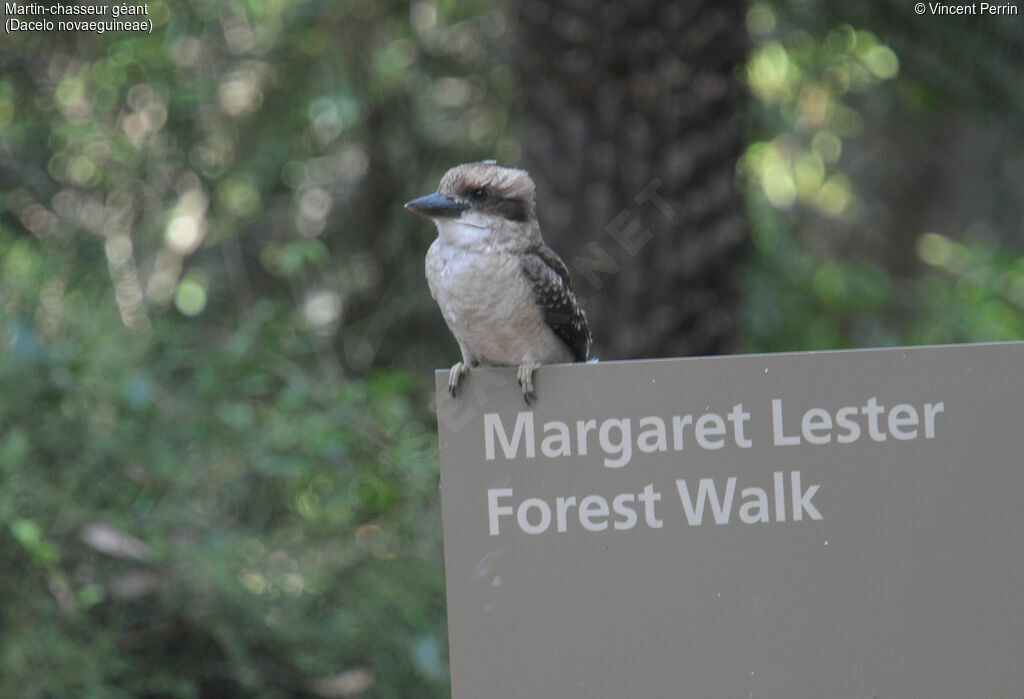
{"points": [[479, 194]]}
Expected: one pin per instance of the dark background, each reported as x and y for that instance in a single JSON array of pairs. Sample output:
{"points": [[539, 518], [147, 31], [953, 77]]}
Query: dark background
{"points": [[218, 470]]}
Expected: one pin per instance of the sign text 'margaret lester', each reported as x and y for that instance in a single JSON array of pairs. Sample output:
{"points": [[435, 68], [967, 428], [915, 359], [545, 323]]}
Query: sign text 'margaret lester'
{"points": [[709, 430]]}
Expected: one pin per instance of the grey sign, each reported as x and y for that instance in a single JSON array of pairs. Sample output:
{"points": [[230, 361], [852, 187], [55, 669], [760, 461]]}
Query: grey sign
{"points": [[831, 524]]}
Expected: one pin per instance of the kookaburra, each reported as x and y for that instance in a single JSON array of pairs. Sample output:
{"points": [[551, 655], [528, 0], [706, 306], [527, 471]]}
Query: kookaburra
{"points": [[505, 295]]}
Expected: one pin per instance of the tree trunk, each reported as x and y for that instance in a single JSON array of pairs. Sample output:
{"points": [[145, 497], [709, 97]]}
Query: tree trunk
{"points": [[632, 119]]}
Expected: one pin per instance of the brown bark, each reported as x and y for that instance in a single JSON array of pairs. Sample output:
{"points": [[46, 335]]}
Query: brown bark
{"points": [[632, 125]]}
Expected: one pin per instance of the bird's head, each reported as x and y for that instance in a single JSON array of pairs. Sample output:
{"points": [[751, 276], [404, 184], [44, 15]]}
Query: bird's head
{"points": [[483, 203]]}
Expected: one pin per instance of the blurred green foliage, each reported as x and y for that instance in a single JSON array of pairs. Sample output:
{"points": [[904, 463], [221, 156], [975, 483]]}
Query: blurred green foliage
{"points": [[190, 520], [819, 279], [205, 488]]}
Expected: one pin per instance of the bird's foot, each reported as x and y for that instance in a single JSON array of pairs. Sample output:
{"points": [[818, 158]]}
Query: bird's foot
{"points": [[459, 371], [525, 377]]}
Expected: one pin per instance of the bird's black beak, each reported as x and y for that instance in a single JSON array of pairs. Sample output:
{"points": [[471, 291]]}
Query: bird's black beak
{"points": [[436, 206]]}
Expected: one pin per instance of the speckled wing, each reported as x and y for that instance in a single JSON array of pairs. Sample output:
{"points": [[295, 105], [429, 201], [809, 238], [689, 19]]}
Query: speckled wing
{"points": [[552, 290]]}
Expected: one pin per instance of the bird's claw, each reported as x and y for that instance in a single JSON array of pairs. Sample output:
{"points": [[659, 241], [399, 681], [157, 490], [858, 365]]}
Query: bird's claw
{"points": [[525, 378], [459, 371]]}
